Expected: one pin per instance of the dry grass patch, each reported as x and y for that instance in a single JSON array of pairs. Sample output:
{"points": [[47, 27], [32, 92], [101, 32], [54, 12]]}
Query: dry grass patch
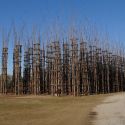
{"points": [[47, 110]]}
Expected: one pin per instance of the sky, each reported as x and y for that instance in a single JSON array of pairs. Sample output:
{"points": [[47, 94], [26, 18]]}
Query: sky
{"points": [[107, 15]]}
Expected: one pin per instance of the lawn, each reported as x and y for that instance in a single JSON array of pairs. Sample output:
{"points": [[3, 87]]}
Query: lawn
{"points": [[47, 110]]}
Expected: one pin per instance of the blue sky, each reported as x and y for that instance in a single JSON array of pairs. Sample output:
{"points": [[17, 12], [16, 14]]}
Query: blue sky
{"points": [[108, 15]]}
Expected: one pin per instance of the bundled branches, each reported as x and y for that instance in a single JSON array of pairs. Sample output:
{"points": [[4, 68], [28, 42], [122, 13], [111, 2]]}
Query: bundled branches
{"points": [[76, 66]]}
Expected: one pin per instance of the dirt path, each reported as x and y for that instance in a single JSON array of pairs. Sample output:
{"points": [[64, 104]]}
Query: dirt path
{"points": [[111, 111]]}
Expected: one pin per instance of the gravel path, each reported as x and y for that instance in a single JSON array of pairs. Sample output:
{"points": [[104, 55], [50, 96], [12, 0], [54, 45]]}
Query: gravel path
{"points": [[111, 111]]}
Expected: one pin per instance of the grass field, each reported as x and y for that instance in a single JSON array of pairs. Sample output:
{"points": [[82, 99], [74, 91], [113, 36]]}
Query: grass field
{"points": [[47, 110]]}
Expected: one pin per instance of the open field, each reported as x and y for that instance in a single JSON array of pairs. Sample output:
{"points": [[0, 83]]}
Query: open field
{"points": [[47, 110]]}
